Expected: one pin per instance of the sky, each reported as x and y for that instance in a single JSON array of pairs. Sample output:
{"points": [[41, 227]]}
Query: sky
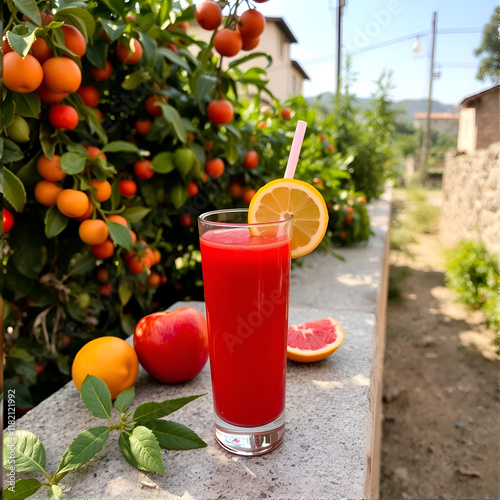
{"points": [[370, 22]]}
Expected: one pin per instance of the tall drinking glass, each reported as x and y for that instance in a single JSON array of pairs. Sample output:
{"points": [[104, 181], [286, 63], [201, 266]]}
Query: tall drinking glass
{"points": [[246, 276]]}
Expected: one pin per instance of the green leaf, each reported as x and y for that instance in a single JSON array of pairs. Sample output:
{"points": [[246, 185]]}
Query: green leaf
{"points": [[156, 409], [203, 86], [124, 444], [163, 162], [9, 109], [124, 399], [23, 488], [30, 9], [81, 263], [178, 195], [175, 436], [47, 140], [121, 146], [115, 194], [73, 163], [133, 80], [13, 190], [112, 29], [174, 119], [136, 214], [80, 18], [27, 105], [29, 453], [150, 47], [55, 491], [96, 396], [146, 450], [128, 323], [83, 448], [253, 55], [97, 53], [174, 58], [10, 151], [120, 234], [55, 222], [124, 292], [93, 123], [21, 38]]}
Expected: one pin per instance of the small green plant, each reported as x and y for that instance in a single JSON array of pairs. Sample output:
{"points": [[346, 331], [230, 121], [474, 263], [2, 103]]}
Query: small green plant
{"points": [[142, 435], [474, 274]]}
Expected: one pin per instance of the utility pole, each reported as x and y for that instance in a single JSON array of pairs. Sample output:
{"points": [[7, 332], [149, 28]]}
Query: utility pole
{"points": [[429, 101], [340, 7]]}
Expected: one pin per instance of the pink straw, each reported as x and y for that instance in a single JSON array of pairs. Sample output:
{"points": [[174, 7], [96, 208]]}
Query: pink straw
{"points": [[295, 149]]}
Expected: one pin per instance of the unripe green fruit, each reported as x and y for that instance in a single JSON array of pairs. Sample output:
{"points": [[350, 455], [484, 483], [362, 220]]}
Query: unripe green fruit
{"points": [[18, 130], [184, 160]]}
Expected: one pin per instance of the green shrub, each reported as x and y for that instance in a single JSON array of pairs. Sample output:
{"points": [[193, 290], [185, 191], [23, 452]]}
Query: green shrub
{"points": [[474, 274]]}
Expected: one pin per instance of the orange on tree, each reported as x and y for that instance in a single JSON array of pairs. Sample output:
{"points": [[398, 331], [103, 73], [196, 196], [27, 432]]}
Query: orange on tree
{"points": [[94, 152], [7, 220], [142, 127], [251, 159], [236, 189], [72, 203], [251, 23], [138, 265], [208, 14], [93, 231], [41, 51], [150, 105], [63, 117], [111, 359], [250, 43], [21, 75], [156, 257], [61, 75], [49, 97], [90, 95], [192, 189], [214, 168], [87, 214], [127, 187], [74, 40], [103, 250], [98, 113], [118, 219], [248, 195], [186, 221], [227, 42], [127, 55], [154, 280], [103, 188], [143, 169], [105, 290], [46, 193], [102, 275], [286, 113], [6, 48], [50, 168], [102, 74], [220, 112]]}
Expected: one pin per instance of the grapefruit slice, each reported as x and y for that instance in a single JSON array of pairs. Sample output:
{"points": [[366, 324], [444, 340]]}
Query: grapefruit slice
{"points": [[314, 340]]}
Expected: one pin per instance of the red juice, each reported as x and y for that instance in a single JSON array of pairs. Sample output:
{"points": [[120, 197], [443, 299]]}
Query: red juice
{"points": [[246, 280]]}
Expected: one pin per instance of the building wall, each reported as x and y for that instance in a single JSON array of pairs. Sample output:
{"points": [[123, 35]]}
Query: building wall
{"points": [[471, 198], [273, 42], [467, 132], [487, 119], [446, 126]]}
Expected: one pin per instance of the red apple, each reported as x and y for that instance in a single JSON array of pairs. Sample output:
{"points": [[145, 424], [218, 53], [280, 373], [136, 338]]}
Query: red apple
{"points": [[172, 346]]}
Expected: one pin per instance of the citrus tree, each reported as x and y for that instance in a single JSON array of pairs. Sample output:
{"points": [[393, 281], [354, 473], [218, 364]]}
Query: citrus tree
{"points": [[119, 128]]}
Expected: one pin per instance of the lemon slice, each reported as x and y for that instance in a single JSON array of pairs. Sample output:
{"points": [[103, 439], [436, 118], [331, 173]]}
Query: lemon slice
{"points": [[291, 196]]}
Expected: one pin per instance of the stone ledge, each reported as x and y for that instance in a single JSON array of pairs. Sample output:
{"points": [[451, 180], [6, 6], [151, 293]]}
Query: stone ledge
{"points": [[332, 438]]}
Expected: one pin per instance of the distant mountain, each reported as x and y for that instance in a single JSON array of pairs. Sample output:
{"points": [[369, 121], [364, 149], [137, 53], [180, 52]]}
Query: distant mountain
{"points": [[408, 107]]}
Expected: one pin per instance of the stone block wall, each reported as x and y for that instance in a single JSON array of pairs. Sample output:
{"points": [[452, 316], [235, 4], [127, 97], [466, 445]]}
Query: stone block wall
{"points": [[471, 198]]}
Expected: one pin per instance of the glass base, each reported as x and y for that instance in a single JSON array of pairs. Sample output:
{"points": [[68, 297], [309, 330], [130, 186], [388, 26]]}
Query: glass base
{"points": [[250, 441]]}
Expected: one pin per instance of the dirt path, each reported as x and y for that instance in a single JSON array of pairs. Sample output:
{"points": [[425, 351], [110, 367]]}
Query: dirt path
{"points": [[441, 404]]}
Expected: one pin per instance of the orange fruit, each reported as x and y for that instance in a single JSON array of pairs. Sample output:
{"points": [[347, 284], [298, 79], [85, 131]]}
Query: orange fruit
{"points": [[21, 75], [192, 189], [95, 152], [220, 112], [227, 42], [251, 23], [100, 74], [102, 275], [74, 40], [154, 280], [111, 359], [280, 197], [118, 219], [143, 127], [61, 75], [72, 203], [126, 55], [87, 214], [236, 189], [251, 159], [90, 95], [40, 50], [250, 43], [209, 15], [49, 97], [93, 232], [103, 250], [50, 168], [314, 340], [214, 168], [46, 193], [103, 192], [248, 195]]}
